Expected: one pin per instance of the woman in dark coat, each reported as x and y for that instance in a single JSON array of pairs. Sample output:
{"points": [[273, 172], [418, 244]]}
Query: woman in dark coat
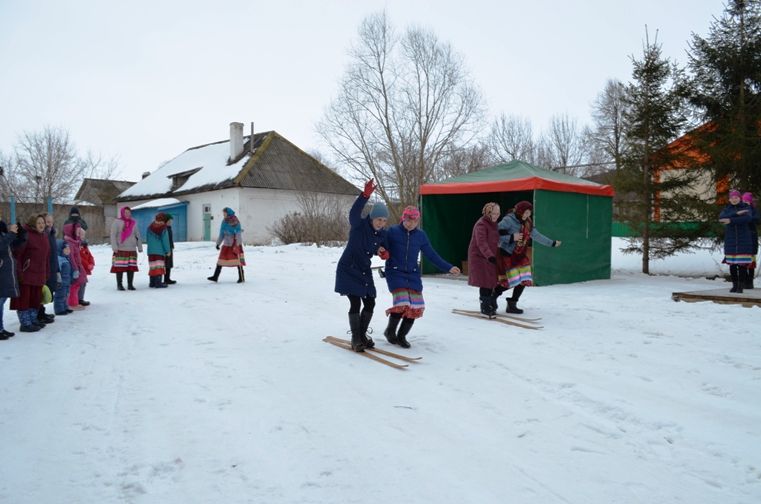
{"points": [[32, 264], [354, 278], [9, 287], [482, 258], [738, 248], [169, 259], [405, 243]]}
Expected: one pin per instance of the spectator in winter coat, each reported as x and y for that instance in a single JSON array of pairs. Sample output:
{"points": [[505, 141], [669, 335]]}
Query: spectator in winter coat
{"points": [[61, 294], [738, 249], [72, 234], [231, 241], [482, 258], [514, 262], [32, 264], [126, 244], [354, 278], [75, 218], [88, 263], [157, 239], [9, 288], [169, 259], [405, 243], [54, 277], [755, 219]]}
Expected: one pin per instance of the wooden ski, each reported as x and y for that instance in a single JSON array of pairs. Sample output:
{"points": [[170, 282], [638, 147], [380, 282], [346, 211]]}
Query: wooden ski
{"points": [[379, 350], [366, 354], [504, 320], [519, 317]]}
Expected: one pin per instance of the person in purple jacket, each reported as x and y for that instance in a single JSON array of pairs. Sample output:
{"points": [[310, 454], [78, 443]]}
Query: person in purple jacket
{"points": [[405, 243]]}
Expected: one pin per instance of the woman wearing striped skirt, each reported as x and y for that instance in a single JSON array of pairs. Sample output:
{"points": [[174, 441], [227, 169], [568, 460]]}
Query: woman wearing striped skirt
{"points": [[126, 243], [230, 246]]}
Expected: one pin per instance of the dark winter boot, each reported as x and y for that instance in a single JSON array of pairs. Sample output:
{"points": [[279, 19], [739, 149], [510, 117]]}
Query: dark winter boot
{"points": [[486, 306], [119, 280], [733, 275], [130, 279], [241, 276], [404, 329], [357, 341], [43, 317], [168, 277], [741, 279], [215, 276], [512, 301], [393, 323], [364, 325], [750, 273]]}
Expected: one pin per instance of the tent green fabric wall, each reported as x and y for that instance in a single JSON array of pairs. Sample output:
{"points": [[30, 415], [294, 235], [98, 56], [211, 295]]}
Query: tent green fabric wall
{"points": [[575, 211]]}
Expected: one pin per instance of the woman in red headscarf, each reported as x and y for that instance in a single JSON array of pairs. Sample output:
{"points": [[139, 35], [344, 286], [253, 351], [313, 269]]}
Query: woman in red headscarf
{"points": [[515, 231]]}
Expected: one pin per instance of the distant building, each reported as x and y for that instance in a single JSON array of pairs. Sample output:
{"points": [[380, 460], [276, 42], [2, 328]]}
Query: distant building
{"points": [[101, 193], [261, 178]]}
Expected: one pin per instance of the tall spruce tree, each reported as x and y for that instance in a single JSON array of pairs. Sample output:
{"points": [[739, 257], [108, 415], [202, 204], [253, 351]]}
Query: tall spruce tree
{"points": [[725, 88], [651, 193]]}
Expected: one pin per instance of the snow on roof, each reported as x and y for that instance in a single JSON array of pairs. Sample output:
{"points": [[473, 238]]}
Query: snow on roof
{"points": [[157, 203], [210, 161]]}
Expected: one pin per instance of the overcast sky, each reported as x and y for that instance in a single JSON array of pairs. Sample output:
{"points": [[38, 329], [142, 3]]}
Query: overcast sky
{"points": [[144, 80]]}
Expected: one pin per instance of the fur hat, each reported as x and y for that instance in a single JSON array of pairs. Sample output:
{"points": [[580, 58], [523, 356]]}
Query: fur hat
{"points": [[521, 207], [379, 210], [74, 211], [747, 197]]}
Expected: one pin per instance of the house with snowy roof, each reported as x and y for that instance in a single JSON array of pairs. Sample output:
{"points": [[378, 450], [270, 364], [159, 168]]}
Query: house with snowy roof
{"points": [[261, 176]]}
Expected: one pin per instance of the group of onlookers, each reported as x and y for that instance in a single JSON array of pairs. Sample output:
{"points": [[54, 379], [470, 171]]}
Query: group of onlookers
{"points": [[36, 268]]}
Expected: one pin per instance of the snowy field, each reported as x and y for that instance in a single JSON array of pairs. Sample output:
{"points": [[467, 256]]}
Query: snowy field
{"points": [[225, 393]]}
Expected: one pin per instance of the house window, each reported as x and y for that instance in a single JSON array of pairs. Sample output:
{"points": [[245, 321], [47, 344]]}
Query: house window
{"points": [[179, 179]]}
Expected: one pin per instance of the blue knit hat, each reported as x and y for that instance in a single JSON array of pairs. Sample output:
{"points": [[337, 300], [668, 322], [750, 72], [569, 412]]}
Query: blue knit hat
{"points": [[379, 210]]}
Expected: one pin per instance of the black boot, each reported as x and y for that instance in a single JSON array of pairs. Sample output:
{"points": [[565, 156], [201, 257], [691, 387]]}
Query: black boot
{"points": [[357, 342], [168, 277], [486, 306], [364, 324], [151, 282], [750, 274], [393, 323], [404, 329], [512, 301], [241, 276], [741, 279], [215, 276], [119, 280], [130, 279]]}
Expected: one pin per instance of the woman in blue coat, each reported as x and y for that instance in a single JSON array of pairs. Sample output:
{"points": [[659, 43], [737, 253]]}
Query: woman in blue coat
{"points": [[738, 247], [354, 277], [405, 243]]}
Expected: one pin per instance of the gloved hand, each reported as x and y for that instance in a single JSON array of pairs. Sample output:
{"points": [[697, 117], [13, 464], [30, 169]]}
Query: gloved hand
{"points": [[493, 260], [369, 188], [217, 246], [383, 254]]}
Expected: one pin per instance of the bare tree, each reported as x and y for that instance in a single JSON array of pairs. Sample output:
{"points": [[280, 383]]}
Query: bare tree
{"points": [[96, 166], [466, 160], [512, 138], [404, 106], [564, 144], [607, 135]]}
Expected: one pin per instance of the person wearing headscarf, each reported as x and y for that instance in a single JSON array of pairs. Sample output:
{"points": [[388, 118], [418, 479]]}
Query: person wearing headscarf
{"points": [[515, 231], [405, 243], [169, 259], [354, 276], [32, 263], [230, 246], [157, 240], [9, 286], [482, 258], [72, 234], [126, 243], [755, 218], [738, 248]]}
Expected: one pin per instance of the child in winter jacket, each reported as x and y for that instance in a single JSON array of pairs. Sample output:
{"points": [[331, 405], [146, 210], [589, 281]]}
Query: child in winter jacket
{"points": [[88, 263], [61, 294]]}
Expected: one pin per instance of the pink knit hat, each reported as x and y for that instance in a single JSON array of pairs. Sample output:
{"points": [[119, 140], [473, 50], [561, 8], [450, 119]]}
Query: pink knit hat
{"points": [[748, 197], [734, 193], [410, 213]]}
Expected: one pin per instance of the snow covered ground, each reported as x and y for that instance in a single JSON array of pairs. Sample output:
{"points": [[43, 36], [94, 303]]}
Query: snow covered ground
{"points": [[225, 393]]}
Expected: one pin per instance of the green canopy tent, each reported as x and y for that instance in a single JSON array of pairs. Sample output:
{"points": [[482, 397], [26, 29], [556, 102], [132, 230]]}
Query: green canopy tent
{"points": [[576, 211]]}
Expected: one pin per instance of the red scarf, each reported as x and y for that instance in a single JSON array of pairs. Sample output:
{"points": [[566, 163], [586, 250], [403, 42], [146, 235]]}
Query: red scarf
{"points": [[522, 245], [157, 227]]}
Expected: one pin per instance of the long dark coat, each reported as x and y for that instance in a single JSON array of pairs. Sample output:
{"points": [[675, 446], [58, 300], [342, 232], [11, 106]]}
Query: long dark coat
{"points": [[54, 268], [402, 267], [8, 274], [353, 274], [755, 219], [737, 237], [483, 244], [33, 258], [169, 260]]}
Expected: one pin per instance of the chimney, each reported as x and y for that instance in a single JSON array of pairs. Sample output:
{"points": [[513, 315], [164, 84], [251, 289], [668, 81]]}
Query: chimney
{"points": [[236, 140], [146, 173]]}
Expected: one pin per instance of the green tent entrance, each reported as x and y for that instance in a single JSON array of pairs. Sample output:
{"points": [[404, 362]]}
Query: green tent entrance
{"points": [[576, 211]]}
